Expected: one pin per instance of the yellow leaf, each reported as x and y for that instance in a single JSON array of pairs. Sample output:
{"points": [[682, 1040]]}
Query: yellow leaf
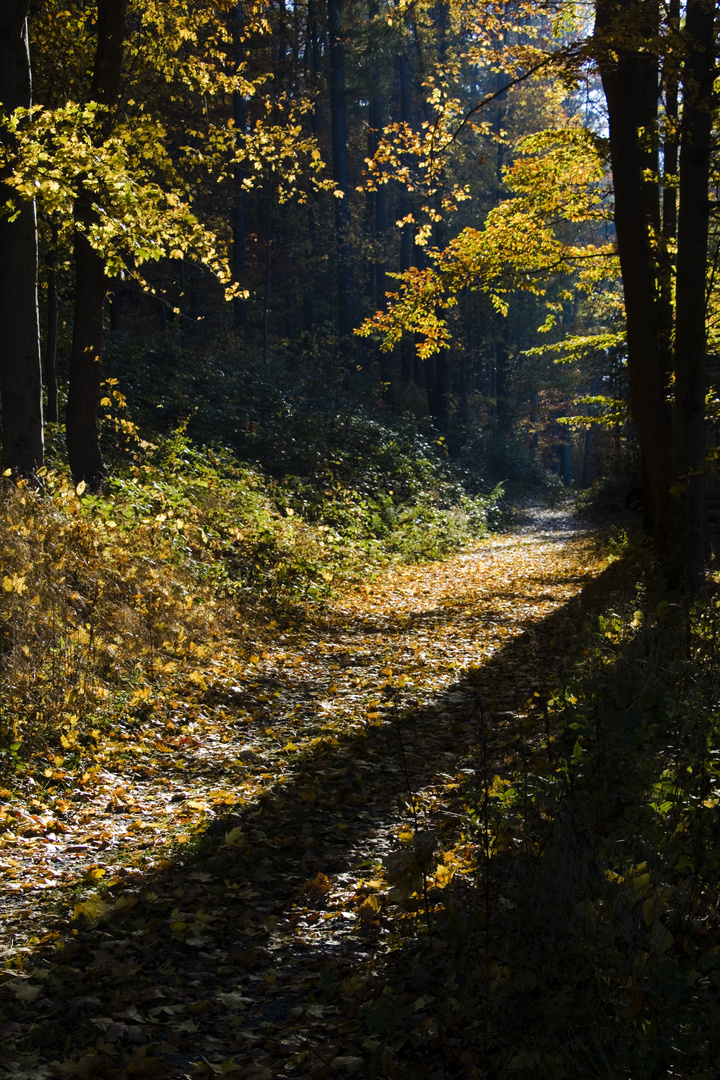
{"points": [[444, 875], [91, 909], [649, 911], [125, 903], [94, 873], [662, 939], [369, 908], [351, 985], [234, 838]]}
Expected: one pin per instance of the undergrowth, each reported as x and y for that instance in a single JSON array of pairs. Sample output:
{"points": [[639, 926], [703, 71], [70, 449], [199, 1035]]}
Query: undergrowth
{"points": [[106, 596], [587, 945]]}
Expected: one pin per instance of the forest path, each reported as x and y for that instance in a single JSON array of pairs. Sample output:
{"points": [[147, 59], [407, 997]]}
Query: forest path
{"points": [[260, 938]]}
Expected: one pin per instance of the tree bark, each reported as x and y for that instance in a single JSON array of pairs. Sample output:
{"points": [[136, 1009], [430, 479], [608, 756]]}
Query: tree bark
{"points": [[20, 369], [690, 305], [671, 440], [407, 344], [338, 131], [51, 332], [624, 77], [91, 283], [239, 173]]}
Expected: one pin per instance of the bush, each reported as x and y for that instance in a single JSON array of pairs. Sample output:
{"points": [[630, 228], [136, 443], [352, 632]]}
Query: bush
{"points": [[105, 596]]}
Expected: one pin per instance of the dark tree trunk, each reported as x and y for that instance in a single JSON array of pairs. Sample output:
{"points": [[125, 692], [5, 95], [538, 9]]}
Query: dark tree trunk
{"points": [[624, 77], [91, 283], [442, 383], [238, 216], [83, 442], [407, 344], [338, 126], [690, 305], [668, 230], [378, 212], [268, 271], [51, 332], [672, 443], [314, 59], [20, 374], [502, 386]]}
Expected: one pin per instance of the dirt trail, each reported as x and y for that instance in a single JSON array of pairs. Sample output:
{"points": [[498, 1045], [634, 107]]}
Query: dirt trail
{"points": [[256, 944]]}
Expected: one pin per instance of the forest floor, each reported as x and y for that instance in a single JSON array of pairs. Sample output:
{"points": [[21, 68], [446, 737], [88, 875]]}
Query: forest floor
{"points": [[281, 880]]}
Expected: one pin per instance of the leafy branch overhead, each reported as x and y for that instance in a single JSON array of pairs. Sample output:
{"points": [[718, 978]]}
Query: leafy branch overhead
{"points": [[559, 184], [142, 171]]}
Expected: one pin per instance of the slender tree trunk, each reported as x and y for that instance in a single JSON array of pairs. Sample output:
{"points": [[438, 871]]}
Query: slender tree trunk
{"points": [[442, 383], [407, 344], [91, 284], [309, 292], [338, 126], [20, 375], [268, 269], [378, 210], [502, 384], [668, 230], [50, 355], [238, 216], [313, 58]]}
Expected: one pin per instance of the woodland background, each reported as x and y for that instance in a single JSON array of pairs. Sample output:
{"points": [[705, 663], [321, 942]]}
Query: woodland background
{"points": [[325, 293]]}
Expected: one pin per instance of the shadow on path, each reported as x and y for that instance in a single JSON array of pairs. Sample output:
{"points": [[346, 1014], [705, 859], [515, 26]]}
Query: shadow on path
{"points": [[258, 944]]}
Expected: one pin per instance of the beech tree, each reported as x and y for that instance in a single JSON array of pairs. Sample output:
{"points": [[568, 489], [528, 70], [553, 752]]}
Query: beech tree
{"points": [[639, 54], [657, 66], [338, 122], [121, 155], [91, 282], [20, 374]]}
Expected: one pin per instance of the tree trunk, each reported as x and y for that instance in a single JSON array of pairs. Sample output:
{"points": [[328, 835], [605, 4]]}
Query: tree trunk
{"points": [[91, 284], [51, 332], [20, 375], [378, 212], [268, 270], [239, 173], [407, 344], [690, 305], [338, 126], [624, 78], [672, 443], [83, 442]]}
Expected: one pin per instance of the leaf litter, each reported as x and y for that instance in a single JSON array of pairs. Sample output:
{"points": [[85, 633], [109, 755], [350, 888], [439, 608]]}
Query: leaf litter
{"points": [[225, 882]]}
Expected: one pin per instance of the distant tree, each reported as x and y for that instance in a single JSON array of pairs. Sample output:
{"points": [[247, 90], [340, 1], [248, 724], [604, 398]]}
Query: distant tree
{"points": [[339, 136]]}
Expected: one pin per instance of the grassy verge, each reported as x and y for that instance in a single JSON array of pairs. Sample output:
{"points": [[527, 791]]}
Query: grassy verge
{"points": [[585, 943], [105, 597]]}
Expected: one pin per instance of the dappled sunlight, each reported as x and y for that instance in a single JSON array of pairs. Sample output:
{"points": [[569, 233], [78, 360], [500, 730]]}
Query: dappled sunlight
{"points": [[275, 807]]}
